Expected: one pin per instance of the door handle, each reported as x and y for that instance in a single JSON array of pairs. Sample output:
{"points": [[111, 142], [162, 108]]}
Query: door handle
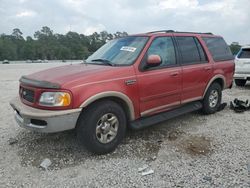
{"points": [[174, 74], [207, 68]]}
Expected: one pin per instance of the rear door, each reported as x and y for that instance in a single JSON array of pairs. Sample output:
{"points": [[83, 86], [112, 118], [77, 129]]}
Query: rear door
{"points": [[159, 87], [242, 62], [196, 70]]}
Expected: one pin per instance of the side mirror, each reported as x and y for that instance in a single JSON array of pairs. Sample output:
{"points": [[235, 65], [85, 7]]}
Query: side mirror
{"points": [[153, 60]]}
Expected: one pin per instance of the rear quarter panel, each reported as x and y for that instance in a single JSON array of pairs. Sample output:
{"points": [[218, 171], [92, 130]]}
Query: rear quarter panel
{"points": [[225, 68], [220, 68]]}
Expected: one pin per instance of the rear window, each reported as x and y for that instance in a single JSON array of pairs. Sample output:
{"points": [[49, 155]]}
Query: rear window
{"points": [[244, 53], [218, 48]]}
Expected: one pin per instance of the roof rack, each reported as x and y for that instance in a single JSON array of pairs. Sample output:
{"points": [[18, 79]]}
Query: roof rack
{"points": [[161, 31], [172, 31]]}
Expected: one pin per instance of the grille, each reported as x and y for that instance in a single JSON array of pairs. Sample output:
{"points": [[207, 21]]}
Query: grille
{"points": [[27, 94]]}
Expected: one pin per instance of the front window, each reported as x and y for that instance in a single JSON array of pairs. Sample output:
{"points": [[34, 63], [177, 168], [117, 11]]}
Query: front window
{"points": [[118, 52], [164, 47]]}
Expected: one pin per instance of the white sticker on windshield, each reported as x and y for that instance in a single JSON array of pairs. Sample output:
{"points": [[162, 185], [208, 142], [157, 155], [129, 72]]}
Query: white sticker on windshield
{"points": [[128, 48]]}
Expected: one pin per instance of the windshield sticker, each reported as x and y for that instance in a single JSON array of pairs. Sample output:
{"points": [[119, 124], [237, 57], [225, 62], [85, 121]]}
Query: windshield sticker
{"points": [[128, 49]]}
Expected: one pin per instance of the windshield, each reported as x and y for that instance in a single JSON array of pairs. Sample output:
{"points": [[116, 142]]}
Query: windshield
{"points": [[122, 51], [244, 53]]}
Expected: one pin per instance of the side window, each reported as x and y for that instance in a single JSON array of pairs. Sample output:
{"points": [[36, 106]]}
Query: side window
{"points": [[218, 48], [164, 47], [191, 50], [203, 56]]}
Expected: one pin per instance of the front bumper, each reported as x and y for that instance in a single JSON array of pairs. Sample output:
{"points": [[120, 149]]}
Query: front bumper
{"points": [[46, 121]]}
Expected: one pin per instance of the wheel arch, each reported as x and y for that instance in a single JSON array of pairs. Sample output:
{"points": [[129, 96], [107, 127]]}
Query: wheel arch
{"points": [[219, 79], [117, 97]]}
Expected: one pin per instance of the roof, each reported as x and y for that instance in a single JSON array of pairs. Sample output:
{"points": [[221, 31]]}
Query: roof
{"points": [[164, 32]]}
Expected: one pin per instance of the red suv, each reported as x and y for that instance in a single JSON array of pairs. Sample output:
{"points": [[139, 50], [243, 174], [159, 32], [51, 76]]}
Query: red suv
{"points": [[134, 81]]}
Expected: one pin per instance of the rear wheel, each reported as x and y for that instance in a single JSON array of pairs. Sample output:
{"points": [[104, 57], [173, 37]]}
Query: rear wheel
{"points": [[212, 99], [240, 82], [101, 127]]}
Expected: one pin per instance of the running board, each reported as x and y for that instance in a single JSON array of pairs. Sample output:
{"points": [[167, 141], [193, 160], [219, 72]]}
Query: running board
{"points": [[163, 116]]}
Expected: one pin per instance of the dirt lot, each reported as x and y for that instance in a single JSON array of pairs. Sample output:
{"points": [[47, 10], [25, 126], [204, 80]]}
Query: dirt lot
{"points": [[189, 151]]}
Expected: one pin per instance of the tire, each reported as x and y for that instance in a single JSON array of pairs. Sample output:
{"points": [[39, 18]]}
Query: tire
{"points": [[240, 82], [212, 99], [101, 127]]}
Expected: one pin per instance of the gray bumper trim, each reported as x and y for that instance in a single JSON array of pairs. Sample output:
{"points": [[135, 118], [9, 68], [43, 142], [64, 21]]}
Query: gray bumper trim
{"points": [[56, 120]]}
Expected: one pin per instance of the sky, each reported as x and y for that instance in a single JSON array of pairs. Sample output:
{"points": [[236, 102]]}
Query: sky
{"points": [[229, 18]]}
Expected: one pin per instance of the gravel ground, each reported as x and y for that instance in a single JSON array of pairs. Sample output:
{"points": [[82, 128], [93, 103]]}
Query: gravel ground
{"points": [[192, 150]]}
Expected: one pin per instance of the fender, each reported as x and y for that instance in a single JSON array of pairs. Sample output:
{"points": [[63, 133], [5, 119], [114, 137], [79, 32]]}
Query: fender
{"points": [[105, 94], [212, 80]]}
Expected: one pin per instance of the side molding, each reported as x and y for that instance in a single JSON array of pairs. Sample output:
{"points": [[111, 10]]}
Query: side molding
{"points": [[211, 81], [120, 95]]}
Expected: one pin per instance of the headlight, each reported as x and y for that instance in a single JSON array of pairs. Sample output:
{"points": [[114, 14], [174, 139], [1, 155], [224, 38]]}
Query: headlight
{"points": [[55, 99]]}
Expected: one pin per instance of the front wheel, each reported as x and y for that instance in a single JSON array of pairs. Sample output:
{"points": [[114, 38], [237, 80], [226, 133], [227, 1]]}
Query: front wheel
{"points": [[240, 82], [212, 99], [101, 127]]}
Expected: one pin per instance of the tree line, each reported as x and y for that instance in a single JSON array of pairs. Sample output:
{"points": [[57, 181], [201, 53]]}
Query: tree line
{"points": [[235, 47], [52, 46]]}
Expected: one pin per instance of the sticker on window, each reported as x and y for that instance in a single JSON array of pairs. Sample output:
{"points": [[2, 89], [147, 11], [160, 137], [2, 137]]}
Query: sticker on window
{"points": [[128, 49]]}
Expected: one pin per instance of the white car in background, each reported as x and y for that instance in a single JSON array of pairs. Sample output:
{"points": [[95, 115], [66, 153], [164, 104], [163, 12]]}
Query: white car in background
{"points": [[242, 66]]}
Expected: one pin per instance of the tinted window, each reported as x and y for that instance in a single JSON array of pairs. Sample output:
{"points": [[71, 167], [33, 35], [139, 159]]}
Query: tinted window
{"points": [[189, 50], [164, 47], [202, 54], [218, 48], [244, 53]]}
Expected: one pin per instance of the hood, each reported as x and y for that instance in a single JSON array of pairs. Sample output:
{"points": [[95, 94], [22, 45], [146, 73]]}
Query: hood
{"points": [[59, 77]]}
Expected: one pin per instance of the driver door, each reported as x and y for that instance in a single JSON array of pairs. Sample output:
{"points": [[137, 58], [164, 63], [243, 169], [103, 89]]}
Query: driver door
{"points": [[160, 87]]}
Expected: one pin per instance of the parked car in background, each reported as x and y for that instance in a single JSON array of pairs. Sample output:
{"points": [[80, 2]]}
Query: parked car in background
{"points": [[134, 81], [29, 61], [6, 61], [242, 66], [37, 61]]}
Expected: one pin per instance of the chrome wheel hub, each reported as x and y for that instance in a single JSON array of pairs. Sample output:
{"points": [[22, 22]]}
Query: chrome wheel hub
{"points": [[107, 128], [213, 98]]}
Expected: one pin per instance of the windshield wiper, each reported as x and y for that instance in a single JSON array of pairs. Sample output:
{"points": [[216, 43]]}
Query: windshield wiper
{"points": [[105, 61]]}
